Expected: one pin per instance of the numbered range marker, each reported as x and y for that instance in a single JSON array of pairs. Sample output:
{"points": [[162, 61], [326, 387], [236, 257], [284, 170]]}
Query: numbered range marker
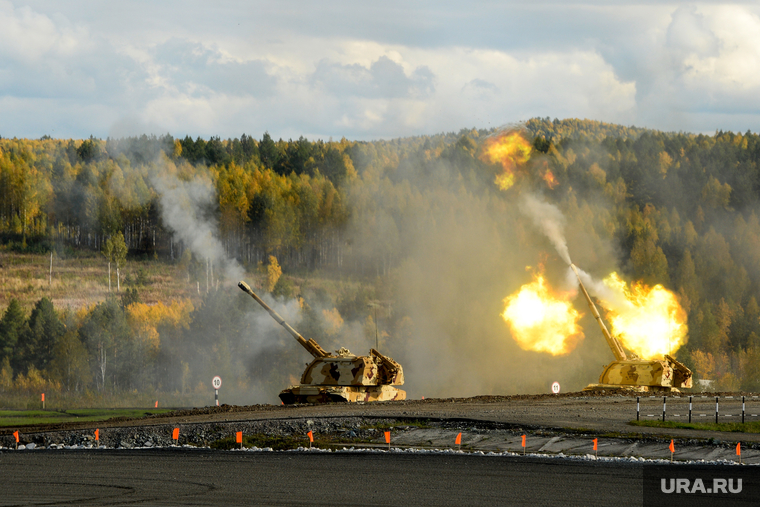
{"points": [[217, 382], [555, 387]]}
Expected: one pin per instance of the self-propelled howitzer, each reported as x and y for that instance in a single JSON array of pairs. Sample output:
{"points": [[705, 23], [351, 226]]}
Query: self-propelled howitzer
{"points": [[339, 376], [632, 372]]}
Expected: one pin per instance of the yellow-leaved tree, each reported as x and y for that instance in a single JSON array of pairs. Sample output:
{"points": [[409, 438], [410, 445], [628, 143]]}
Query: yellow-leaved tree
{"points": [[274, 271], [144, 320]]}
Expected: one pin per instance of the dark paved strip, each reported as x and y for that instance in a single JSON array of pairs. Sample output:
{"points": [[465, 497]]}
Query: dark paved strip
{"points": [[187, 477]]}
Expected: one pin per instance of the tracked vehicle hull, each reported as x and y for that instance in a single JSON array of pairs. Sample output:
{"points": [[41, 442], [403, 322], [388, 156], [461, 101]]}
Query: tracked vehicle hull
{"points": [[634, 389], [326, 394], [666, 375]]}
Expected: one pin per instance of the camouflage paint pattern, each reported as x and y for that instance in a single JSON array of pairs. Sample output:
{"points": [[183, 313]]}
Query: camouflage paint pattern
{"points": [[341, 371], [324, 394], [346, 377], [637, 372], [652, 375], [346, 369]]}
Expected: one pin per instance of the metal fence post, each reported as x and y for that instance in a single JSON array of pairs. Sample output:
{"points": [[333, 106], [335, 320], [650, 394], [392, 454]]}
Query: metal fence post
{"points": [[716, 410], [689, 408]]}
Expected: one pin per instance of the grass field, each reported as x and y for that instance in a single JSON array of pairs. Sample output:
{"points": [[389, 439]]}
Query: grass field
{"points": [[27, 417], [82, 280], [750, 427]]}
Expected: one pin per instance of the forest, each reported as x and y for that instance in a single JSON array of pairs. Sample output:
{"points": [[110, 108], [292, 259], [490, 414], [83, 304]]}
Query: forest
{"points": [[408, 240]]}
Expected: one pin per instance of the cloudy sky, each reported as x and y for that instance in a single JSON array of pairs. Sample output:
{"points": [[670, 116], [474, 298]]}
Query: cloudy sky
{"points": [[369, 70]]}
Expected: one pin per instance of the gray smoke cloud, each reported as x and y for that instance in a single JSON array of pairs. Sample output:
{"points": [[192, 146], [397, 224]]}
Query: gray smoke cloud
{"points": [[460, 255], [186, 208], [246, 344], [549, 219]]}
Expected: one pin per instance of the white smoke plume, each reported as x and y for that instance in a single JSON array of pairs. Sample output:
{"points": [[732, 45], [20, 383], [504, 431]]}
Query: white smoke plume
{"points": [[613, 299], [186, 209], [549, 219]]}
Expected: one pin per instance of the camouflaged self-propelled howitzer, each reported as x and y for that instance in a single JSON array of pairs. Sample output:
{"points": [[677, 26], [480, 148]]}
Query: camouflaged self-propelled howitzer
{"points": [[633, 372], [341, 376]]}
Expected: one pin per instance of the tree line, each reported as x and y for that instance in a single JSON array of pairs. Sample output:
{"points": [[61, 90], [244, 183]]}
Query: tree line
{"points": [[680, 209], [121, 345]]}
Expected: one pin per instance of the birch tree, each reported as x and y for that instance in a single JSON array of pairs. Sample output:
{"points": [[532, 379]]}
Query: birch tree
{"points": [[119, 256]]}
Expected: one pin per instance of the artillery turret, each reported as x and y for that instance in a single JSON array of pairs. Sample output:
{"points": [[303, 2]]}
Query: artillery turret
{"points": [[632, 372], [339, 376]]}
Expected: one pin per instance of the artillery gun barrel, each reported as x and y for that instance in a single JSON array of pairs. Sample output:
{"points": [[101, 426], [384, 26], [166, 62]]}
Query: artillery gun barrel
{"points": [[613, 342], [310, 345]]}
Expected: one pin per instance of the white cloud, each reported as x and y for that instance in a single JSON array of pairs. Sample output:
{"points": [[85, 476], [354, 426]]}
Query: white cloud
{"points": [[27, 35], [735, 65], [496, 87], [704, 71], [384, 79], [689, 34], [363, 71]]}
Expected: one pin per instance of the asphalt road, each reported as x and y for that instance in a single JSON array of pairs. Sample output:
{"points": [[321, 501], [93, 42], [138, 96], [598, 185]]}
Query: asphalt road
{"points": [[183, 477]]}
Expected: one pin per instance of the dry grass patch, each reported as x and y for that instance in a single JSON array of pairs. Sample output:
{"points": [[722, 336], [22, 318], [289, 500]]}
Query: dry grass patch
{"points": [[83, 280]]}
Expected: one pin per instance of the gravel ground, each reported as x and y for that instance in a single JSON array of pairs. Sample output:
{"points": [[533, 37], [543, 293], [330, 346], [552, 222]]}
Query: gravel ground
{"points": [[554, 423]]}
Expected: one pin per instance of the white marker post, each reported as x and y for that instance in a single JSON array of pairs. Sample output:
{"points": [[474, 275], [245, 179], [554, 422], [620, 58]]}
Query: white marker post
{"points": [[555, 388], [217, 383]]}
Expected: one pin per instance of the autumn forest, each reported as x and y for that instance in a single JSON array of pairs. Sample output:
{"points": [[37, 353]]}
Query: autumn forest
{"points": [[408, 241]]}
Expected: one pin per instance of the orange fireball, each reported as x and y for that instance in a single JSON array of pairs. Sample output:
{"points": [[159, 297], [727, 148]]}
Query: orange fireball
{"points": [[510, 149], [648, 321], [547, 175], [542, 320]]}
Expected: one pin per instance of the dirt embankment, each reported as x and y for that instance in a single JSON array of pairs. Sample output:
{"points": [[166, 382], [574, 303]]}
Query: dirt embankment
{"points": [[412, 426], [585, 412]]}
